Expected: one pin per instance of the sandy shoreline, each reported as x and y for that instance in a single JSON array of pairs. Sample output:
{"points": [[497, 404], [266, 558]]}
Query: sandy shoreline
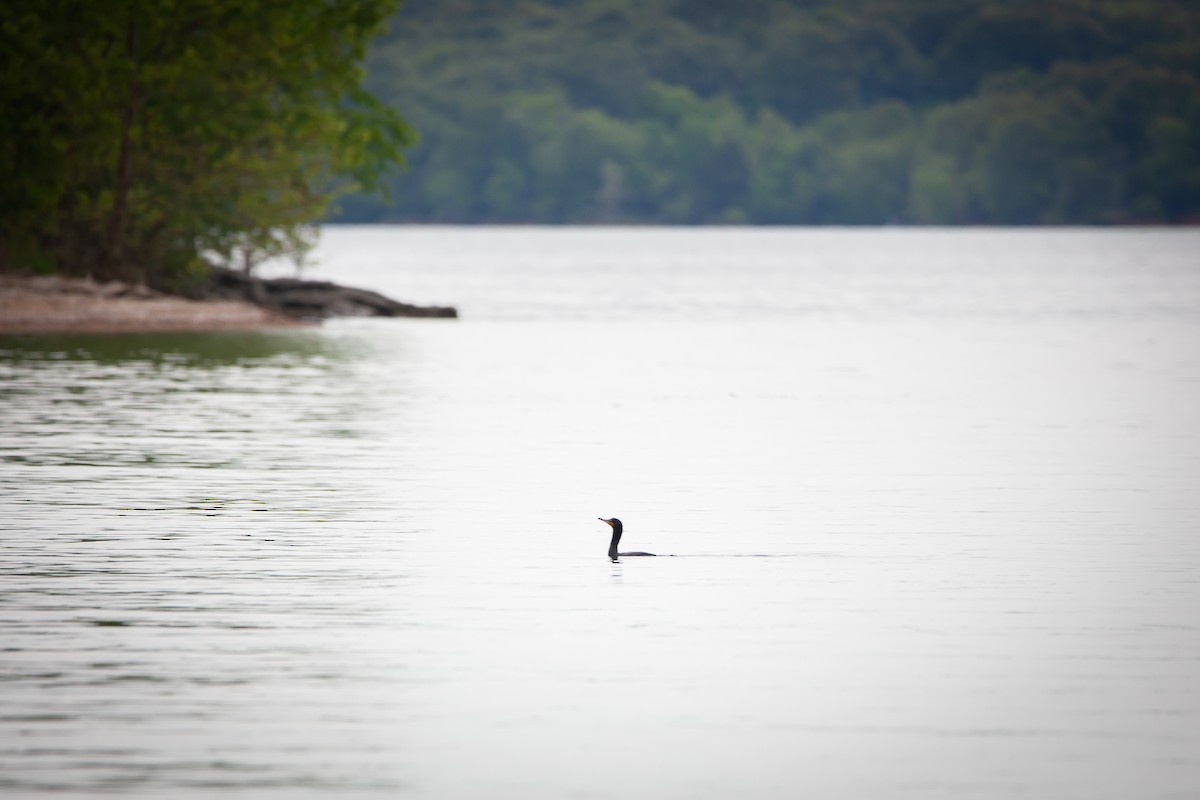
{"points": [[51, 304]]}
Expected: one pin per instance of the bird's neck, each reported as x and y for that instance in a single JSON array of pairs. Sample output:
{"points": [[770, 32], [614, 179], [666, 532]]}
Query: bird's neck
{"points": [[612, 547]]}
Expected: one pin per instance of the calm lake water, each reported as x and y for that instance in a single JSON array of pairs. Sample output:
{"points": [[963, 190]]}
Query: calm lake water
{"points": [[932, 497]]}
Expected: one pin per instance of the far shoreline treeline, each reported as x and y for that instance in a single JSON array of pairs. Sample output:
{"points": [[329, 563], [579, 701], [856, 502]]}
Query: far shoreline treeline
{"points": [[151, 140], [941, 112]]}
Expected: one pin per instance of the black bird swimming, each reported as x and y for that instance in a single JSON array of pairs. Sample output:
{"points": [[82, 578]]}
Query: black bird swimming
{"points": [[617, 527]]}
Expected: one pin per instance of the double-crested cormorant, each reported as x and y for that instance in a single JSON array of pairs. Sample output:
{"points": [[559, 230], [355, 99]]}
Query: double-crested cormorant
{"points": [[617, 527]]}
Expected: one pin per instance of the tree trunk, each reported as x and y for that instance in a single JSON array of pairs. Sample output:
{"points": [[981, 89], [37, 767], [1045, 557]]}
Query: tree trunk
{"points": [[113, 245]]}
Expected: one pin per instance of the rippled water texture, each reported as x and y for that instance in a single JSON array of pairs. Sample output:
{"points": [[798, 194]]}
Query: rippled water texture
{"points": [[931, 497]]}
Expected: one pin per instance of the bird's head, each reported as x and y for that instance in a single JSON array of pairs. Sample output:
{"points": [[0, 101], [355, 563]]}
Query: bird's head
{"points": [[613, 523]]}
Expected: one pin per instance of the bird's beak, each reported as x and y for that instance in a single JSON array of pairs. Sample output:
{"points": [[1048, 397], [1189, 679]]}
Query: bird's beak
{"points": [[606, 521]]}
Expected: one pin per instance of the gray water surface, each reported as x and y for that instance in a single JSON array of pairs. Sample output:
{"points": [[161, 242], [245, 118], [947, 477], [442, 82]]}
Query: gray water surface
{"points": [[931, 497]]}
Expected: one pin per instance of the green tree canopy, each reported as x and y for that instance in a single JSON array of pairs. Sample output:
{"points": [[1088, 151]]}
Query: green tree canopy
{"points": [[140, 138]]}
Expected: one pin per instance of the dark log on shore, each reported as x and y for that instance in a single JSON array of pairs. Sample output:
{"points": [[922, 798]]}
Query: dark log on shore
{"points": [[310, 300]]}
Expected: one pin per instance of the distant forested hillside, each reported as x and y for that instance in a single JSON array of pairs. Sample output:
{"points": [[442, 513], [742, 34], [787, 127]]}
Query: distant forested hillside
{"points": [[794, 111]]}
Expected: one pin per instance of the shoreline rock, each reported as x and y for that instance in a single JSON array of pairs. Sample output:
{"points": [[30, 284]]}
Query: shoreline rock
{"points": [[314, 300]]}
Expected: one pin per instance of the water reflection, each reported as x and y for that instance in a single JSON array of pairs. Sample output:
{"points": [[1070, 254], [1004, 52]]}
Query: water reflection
{"points": [[193, 350]]}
